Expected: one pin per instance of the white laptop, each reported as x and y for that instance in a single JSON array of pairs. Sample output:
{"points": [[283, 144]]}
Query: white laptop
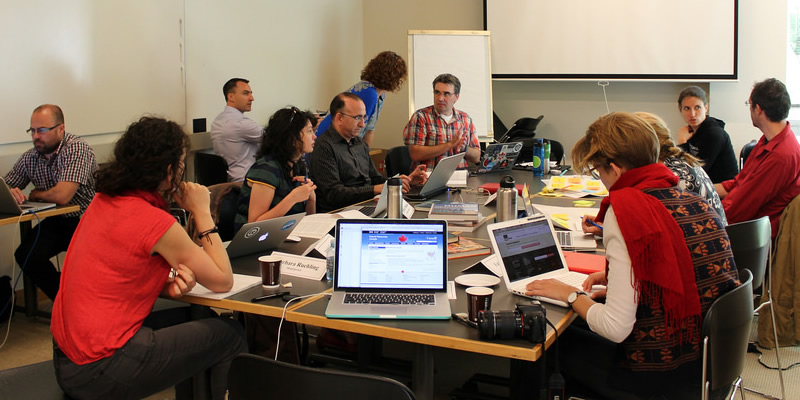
{"points": [[9, 205], [437, 181], [529, 251], [390, 268], [378, 209], [261, 236]]}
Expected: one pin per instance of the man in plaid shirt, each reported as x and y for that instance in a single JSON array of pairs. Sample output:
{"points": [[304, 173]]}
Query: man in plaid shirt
{"points": [[61, 167], [440, 130]]}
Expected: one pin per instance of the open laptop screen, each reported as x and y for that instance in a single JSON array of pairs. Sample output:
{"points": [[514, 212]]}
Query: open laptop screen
{"points": [[391, 254], [528, 249]]}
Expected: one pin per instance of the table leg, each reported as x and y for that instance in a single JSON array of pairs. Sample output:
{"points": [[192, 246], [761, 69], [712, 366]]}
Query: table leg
{"points": [[422, 375], [525, 380], [199, 383], [31, 302]]}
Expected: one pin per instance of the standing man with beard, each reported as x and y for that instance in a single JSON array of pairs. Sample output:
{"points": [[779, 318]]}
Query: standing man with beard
{"points": [[61, 167]]}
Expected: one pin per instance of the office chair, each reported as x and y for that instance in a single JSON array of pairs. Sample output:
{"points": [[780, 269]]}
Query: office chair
{"points": [[725, 335], [224, 205], [256, 377], [398, 161], [751, 245], [746, 149], [210, 169]]}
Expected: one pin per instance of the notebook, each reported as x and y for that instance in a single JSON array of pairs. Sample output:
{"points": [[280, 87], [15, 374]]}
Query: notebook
{"points": [[9, 205], [261, 236], [499, 157], [529, 251], [390, 269], [437, 181]]}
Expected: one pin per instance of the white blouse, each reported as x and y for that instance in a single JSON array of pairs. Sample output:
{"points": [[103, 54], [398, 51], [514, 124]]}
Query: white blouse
{"points": [[614, 320]]}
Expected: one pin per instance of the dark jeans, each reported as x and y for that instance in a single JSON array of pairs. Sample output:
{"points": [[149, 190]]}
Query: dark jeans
{"points": [[156, 359], [55, 233]]}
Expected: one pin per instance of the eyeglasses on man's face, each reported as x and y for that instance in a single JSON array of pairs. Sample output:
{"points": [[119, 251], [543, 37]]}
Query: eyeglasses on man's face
{"points": [[41, 130], [447, 95], [357, 118]]}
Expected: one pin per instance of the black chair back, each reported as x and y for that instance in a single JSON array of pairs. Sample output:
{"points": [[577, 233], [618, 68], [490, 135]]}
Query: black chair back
{"points": [[398, 161], [210, 169], [746, 149], [256, 377], [750, 243], [726, 333]]}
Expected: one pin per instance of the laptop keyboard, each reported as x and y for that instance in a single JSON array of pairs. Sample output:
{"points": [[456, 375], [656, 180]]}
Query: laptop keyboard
{"points": [[367, 210], [565, 238], [389, 298]]}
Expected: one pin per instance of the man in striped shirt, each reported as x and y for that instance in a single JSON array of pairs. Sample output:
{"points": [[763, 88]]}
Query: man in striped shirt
{"points": [[440, 130], [61, 167]]}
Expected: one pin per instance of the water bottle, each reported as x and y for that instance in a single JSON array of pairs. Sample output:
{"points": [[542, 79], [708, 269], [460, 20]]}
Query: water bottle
{"points": [[506, 199], [330, 259], [546, 159], [538, 158], [394, 204]]}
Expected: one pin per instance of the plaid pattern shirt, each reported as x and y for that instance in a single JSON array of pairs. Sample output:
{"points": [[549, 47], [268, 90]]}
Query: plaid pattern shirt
{"points": [[427, 128], [73, 161]]}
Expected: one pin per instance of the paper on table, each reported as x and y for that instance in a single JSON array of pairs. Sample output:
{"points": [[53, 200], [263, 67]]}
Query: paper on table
{"points": [[458, 179], [316, 226], [567, 217], [240, 283], [321, 246], [302, 267]]}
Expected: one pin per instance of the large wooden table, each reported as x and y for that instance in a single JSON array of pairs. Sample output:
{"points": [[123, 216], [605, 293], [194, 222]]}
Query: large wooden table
{"points": [[25, 223], [424, 334]]}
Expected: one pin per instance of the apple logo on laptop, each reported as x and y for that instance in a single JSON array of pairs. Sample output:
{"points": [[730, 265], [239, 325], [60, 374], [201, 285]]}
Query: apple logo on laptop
{"points": [[263, 237]]}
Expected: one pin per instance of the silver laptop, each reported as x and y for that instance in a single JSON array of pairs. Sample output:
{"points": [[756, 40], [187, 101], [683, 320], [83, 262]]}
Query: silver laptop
{"points": [[529, 251], [9, 205], [390, 269], [261, 236], [378, 209], [437, 181], [499, 157]]}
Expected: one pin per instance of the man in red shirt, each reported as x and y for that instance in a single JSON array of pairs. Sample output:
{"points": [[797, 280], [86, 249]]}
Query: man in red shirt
{"points": [[770, 178]]}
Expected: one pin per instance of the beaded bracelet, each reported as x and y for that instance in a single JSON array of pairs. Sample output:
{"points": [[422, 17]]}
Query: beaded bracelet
{"points": [[205, 234]]}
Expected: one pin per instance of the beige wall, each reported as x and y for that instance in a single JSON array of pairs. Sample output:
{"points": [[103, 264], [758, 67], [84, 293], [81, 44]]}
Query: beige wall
{"points": [[569, 107]]}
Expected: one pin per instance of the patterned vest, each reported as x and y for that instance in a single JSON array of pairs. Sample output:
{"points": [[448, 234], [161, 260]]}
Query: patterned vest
{"points": [[647, 348]]}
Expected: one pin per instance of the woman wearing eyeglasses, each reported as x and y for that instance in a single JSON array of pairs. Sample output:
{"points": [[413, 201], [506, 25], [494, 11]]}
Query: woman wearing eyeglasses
{"points": [[384, 73], [668, 258], [128, 250], [704, 136], [278, 184]]}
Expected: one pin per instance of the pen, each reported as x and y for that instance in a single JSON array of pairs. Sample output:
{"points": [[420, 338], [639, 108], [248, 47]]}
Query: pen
{"points": [[306, 178], [563, 172], [268, 296], [464, 321], [592, 223]]}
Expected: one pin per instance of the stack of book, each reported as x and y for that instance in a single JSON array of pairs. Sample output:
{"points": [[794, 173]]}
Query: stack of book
{"points": [[461, 217], [466, 248]]}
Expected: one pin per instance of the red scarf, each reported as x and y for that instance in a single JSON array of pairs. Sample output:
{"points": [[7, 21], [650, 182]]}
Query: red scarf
{"points": [[660, 259]]}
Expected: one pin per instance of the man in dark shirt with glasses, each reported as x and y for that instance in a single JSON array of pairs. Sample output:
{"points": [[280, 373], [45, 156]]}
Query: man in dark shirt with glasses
{"points": [[61, 167], [340, 163]]}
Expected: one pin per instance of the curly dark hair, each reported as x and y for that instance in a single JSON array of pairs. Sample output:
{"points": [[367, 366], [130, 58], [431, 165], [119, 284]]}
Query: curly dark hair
{"points": [[142, 155], [282, 134], [386, 71]]}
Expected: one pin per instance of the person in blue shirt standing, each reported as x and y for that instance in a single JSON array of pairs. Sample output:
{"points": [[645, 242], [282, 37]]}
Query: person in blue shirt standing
{"points": [[384, 73]]}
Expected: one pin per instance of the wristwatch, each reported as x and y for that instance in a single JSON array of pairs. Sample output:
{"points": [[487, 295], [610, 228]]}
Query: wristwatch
{"points": [[574, 296]]}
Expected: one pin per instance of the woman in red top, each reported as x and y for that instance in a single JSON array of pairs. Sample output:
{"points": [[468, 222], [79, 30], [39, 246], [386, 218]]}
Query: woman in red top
{"points": [[128, 250]]}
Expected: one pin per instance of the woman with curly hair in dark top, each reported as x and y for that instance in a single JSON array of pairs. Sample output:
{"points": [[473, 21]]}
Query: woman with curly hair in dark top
{"points": [[278, 184], [127, 251], [384, 73]]}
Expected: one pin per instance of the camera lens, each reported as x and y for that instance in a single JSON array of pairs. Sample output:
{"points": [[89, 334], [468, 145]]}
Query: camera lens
{"points": [[499, 324]]}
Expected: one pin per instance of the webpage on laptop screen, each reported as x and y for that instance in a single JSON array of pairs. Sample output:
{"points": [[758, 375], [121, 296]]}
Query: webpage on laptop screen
{"points": [[395, 257], [527, 250]]}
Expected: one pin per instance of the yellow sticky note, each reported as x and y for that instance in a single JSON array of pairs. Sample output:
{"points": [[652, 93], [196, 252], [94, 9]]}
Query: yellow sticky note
{"points": [[561, 216], [575, 180]]}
